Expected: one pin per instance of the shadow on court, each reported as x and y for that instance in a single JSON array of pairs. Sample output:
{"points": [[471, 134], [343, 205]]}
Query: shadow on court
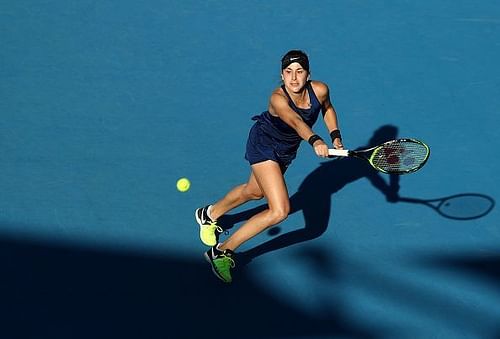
{"points": [[482, 267], [464, 206], [485, 267], [314, 197], [53, 291]]}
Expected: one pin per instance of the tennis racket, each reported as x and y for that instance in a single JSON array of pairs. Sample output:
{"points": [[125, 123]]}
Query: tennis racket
{"points": [[398, 156], [466, 206]]}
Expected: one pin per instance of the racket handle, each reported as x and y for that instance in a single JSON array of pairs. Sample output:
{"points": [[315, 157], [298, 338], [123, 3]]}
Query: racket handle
{"points": [[338, 152]]}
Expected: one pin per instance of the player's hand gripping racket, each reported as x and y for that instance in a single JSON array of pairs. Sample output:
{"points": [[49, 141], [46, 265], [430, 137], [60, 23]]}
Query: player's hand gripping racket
{"points": [[398, 156]]}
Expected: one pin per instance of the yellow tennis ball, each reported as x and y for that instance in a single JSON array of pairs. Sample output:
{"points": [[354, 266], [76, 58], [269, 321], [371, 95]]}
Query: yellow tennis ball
{"points": [[183, 184]]}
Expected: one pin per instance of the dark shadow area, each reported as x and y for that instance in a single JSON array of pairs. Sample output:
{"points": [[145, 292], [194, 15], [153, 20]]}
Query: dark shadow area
{"points": [[478, 266], [60, 292], [440, 303], [485, 267], [314, 196]]}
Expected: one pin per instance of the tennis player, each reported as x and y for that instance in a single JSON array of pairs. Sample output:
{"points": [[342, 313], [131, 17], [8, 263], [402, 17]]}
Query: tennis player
{"points": [[272, 144]]}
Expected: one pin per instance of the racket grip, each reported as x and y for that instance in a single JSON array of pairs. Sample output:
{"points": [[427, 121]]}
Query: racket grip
{"points": [[338, 152]]}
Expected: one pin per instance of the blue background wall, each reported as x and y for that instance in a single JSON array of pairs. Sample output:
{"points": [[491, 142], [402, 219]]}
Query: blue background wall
{"points": [[105, 104]]}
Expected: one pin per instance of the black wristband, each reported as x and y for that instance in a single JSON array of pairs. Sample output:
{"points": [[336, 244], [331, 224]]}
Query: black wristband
{"points": [[335, 134], [313, 139]]}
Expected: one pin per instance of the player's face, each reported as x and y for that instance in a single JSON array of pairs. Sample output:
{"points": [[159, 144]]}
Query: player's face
{"points": [[294, 77]]}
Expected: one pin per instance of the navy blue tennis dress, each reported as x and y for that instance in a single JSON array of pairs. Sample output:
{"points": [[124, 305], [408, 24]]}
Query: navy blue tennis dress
{"points": [[270, 138]]}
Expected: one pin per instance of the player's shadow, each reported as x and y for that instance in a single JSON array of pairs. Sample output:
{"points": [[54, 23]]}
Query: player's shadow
{"points": [[314, 197]]}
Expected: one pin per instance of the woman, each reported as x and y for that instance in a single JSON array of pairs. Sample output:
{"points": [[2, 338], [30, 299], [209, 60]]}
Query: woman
{"points": [[272, 145]]}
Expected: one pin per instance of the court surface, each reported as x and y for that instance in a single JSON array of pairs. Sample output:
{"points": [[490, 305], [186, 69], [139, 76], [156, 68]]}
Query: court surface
{"points": [[105, 104]]}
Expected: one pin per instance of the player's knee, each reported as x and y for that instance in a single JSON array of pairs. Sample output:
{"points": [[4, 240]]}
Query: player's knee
{"points": [[279, 214]]}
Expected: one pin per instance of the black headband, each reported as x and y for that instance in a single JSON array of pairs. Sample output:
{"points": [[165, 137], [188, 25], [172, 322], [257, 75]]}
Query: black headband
{"points": [[295, 56]]}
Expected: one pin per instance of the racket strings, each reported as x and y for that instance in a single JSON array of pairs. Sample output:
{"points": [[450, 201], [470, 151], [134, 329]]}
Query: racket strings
{"points": [[401, 156]]}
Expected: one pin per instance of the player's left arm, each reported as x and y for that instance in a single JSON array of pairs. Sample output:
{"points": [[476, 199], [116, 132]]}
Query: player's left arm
{"points": [[329, 113]]}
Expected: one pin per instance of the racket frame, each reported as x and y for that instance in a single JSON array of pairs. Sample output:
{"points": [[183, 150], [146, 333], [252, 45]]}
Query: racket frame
{"points": [[369, 153]]}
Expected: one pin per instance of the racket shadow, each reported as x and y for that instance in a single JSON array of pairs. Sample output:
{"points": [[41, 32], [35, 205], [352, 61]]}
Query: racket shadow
{"points": [[314, 197], [464, 206]]}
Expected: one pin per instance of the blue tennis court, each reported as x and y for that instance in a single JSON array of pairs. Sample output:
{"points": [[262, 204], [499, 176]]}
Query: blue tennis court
{"points": [[106, 104]]}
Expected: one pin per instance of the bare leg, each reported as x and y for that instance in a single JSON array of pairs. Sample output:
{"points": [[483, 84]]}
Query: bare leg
{"points": [[237, 196], [270, 179]]}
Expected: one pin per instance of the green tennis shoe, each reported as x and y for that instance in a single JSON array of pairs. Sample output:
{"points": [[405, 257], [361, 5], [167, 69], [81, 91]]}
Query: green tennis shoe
{"points": [[222, 263]]}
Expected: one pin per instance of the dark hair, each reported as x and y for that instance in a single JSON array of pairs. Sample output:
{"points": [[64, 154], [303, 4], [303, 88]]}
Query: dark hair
{"points": [[295, 56]]}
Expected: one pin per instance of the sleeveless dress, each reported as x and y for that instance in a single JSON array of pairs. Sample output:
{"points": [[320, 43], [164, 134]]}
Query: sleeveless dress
{"points": [[270, 138]]}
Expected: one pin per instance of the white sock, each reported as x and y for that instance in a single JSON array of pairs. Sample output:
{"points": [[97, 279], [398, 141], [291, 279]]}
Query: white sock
{"points": [[217, 247], [209, 214]]}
